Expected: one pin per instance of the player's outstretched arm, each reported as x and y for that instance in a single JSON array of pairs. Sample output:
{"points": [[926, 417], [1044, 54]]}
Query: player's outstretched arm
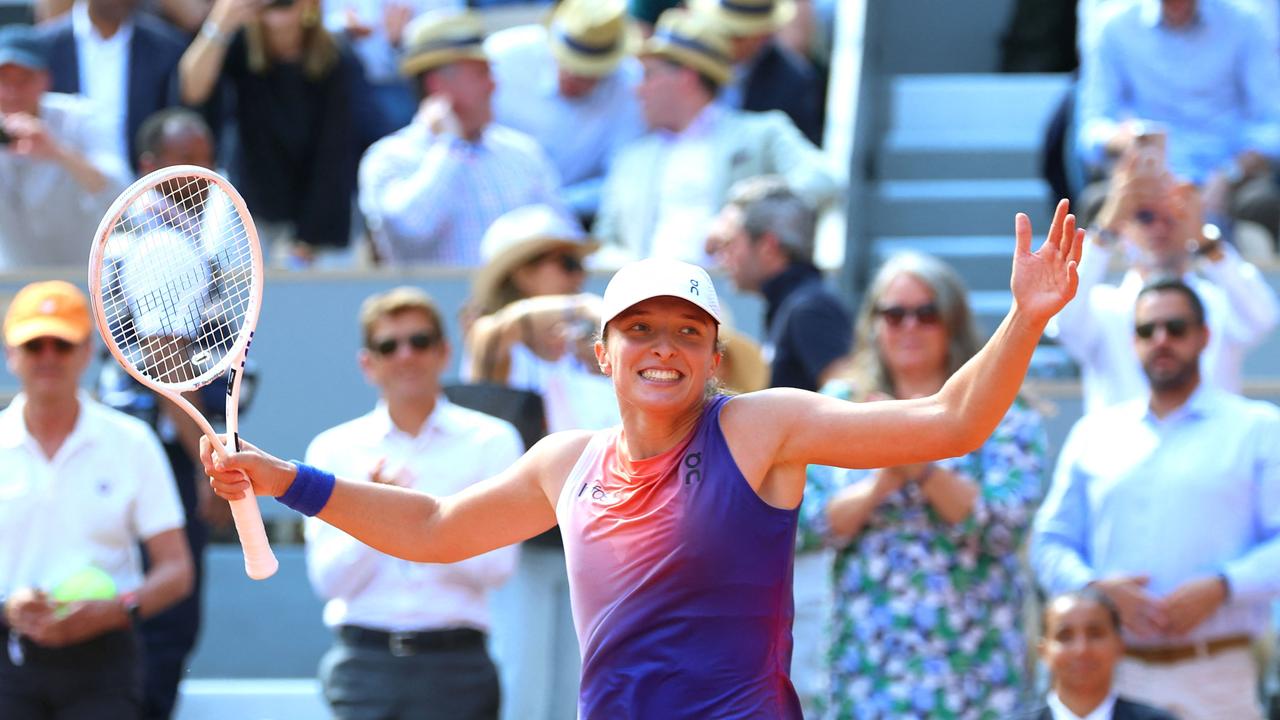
{"points": [[514, 505], [962, 415]]}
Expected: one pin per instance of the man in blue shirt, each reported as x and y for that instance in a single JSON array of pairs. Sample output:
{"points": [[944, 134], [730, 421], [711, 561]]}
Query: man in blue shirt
{"points": [[1205, 72], [1170, 505]]}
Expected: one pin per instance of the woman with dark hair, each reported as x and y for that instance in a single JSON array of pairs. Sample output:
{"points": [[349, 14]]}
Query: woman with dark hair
{"points": [[928, 586], [292, 89]]}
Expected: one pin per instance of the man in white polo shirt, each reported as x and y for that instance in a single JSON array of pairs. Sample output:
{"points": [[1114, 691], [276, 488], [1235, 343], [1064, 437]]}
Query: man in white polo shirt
{"points": [[81, 486]]}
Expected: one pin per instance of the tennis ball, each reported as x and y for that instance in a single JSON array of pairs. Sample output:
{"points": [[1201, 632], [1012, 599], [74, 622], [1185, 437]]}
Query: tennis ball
{"points": [[89, 583]]}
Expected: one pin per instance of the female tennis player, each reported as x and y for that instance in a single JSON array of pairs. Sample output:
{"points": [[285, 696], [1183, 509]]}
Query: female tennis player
{"points": [[679, 524]]}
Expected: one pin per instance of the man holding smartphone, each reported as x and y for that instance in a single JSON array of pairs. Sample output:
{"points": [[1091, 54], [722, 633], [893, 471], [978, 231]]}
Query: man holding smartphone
{"points": [[57, 173], [1221, 111], [1158, 226]]}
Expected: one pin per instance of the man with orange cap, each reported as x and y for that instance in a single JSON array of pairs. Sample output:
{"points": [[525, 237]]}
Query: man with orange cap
{"points": [[81, 486]]}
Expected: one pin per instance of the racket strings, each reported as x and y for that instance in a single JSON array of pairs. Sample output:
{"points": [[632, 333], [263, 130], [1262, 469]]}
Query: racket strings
{"points": [[177, 279]]}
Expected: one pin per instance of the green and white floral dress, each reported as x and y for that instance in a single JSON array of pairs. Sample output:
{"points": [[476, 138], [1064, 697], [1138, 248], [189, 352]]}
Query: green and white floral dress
{"points": [[927, 614]]}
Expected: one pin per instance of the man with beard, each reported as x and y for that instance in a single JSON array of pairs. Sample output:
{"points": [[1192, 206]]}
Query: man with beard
{"points": [[1158, 227], [1170, 506]]}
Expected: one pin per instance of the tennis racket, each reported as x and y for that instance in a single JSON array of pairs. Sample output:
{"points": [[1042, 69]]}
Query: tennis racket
{"points": [[175, 278]]}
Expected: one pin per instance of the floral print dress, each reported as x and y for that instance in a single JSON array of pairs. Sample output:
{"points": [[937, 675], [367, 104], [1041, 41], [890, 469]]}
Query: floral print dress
{"points": [[927, 614]]}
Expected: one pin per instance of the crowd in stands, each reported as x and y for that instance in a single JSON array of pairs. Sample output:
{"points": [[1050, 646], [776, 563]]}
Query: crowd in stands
{"points": [[404, 133]]}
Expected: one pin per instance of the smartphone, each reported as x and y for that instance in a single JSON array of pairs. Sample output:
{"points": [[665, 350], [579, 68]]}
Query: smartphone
{"points": [[1150, 142]]}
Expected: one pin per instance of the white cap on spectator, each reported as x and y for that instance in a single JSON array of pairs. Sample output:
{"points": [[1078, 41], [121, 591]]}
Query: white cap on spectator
{"points": [[659, 277]]}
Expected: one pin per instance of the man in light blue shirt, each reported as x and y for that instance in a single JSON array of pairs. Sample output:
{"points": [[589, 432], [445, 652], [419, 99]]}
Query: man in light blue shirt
{"points": [[1207, 73], [1170, 505], [571, 86]]}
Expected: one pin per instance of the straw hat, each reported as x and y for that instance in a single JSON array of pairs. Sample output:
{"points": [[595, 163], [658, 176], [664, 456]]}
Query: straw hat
{"points": [[590, 37], [519, 236], [743, 368], [692, 40], [440, 37], [742, 18]]}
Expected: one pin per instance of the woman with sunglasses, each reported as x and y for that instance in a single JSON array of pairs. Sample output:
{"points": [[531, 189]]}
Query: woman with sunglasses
{"points": [[679, 524], [928, 586]]}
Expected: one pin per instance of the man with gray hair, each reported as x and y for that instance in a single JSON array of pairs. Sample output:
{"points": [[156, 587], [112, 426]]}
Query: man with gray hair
{"points": [[763, 238]]}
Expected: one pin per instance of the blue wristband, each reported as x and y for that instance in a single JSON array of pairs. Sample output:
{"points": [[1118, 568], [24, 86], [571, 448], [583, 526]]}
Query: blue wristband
{"points": [[310, 490]]}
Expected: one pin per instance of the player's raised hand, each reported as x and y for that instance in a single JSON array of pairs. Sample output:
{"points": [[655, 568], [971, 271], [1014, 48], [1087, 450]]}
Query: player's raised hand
{"points": [[1045, 280], [269, 475]]}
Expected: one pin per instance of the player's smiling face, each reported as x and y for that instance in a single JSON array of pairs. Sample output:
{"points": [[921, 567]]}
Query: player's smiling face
{"points": [[660, 353]]}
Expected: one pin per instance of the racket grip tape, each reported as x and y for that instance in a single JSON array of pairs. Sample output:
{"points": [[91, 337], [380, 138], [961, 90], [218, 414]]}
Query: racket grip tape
{"points": [[259, 562]]}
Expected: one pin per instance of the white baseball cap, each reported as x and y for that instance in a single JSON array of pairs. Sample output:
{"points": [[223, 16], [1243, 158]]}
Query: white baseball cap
{"points": [[658, 277]]}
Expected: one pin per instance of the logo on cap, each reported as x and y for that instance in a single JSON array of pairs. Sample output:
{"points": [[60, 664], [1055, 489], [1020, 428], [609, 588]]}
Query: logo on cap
{"points": [[693, 286], [48, 307]]}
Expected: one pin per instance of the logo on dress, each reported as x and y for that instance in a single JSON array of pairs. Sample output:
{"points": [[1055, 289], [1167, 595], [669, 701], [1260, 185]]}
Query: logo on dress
{"points": [[691, 462]]}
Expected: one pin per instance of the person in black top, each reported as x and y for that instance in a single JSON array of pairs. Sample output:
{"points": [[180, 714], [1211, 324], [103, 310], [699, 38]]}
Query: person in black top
{"points": [[764, 240]]}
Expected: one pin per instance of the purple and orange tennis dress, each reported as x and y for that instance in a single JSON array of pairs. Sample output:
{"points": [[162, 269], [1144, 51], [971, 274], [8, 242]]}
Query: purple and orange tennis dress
{"points": [[680, 578]]}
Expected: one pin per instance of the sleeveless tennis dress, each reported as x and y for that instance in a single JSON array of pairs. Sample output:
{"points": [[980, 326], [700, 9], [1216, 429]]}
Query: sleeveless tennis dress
{"points": [[680, 578]]}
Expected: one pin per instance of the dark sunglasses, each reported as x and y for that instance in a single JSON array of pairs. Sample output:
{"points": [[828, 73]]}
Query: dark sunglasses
{"points": [[417, 341], [38, 345], [1175, 328], [1145, 217], [568, 263], [895, 315]]}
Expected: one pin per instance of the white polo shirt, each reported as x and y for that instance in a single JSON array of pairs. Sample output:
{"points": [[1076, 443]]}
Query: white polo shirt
{"points": [[108, 488], [453, 450]]}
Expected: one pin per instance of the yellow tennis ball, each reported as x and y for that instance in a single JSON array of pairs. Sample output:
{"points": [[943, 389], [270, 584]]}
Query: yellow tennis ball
{"points": [[89, 583]]}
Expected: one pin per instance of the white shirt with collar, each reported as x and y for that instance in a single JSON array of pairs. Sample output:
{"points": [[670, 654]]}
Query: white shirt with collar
{"points": [[455, 449], [104, 71], [687, 195], [108, 487], [1061, 712], [1096, 328]]}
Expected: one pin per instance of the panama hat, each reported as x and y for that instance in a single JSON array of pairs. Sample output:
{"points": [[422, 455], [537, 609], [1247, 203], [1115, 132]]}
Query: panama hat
{"points": [[440, 37], [519, 236], [692, 40], [743, 368], [742, 18], [590, 37]]}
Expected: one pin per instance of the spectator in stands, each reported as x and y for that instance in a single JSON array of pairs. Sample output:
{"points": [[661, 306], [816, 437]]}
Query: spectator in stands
{"points": [[928, 585], [375, 29], [647, 12], [186, 15], [291, 83], [175, 136], [431, 190], [663, 190], [1221, 113], [763, 238], [1080, 643], [1151, 221], [766, 74], [1137, 488], [410, 637], [57, 166], [536, 333], [571, 86], [82, 486], [122, 59]]}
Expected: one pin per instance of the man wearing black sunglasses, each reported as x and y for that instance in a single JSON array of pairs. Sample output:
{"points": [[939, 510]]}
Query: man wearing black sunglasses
{"points": [[416, 631], [81, 486], [1159, 227], [1166, 504]]}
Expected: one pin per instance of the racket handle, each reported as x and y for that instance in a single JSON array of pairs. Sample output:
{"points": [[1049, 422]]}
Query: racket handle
{"points": [[259, 562]]}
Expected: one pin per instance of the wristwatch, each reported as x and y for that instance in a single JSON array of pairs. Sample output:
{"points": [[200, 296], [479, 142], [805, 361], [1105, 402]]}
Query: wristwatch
{"points": [[129, 602], [1210, 242]]}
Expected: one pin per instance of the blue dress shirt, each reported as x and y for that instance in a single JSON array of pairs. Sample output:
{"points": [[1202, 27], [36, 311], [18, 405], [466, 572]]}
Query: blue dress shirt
{"points": [[1213, 84], [1189, 495]]}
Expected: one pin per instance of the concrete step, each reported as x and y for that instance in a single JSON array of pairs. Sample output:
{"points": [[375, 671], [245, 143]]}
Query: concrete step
{"points": [[915, 162], [957, 207], [983, 261]]}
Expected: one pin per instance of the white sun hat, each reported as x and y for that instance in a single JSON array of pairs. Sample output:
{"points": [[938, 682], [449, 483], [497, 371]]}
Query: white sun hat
{"points": [[659, 277]]}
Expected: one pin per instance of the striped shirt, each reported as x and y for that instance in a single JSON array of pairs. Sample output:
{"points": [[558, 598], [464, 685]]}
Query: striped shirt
{"points": [[429, 198]]}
